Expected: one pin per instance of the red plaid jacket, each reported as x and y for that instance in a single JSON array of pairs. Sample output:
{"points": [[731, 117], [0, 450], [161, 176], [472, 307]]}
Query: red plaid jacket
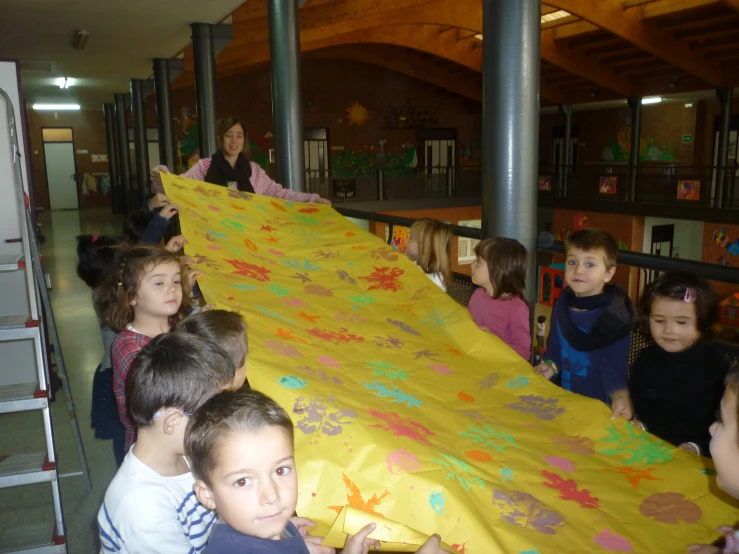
{"points": [[126, 347]]}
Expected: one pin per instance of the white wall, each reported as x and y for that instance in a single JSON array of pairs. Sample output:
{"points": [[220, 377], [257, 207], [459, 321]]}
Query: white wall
{"points": [[688, 240]]}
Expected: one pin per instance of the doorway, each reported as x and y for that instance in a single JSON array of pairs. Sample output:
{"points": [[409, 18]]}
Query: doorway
{"points": [[440, 160], [662, 244], [61, 172], [316, 150]]}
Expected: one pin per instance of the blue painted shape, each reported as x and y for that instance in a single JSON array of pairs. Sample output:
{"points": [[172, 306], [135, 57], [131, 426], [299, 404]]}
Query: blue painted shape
{"points": [[518, 383], [243, 287], [436, 501], [290, 382], [533, 551], [507, 474]]}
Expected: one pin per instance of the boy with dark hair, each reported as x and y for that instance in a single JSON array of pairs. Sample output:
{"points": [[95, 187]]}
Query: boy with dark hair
{"points": [[227, 330], [149, 506], [588, 347], [241, 448]]}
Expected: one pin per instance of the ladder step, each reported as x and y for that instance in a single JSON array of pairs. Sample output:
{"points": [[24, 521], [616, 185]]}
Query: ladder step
{"points": [[16, 327], [22, 397], [39, 538], [11, 262], [25, 469]]}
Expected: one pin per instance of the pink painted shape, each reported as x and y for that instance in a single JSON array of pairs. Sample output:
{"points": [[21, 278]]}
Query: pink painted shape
{"points": [[561, 463], [214, 208], [329, 361], [612, 542], [213, 247], [441, 368], [276, 252], [400, 461], [294, 302]]}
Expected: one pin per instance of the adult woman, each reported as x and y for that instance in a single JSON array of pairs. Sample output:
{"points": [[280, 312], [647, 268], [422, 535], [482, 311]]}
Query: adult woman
{"points": [[230, 167]]}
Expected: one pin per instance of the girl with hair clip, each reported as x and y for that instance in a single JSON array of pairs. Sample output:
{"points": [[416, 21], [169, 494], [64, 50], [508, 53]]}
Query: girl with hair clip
{"points": [[499, 305], [140, 301], [676, 384], [429, 247], [230, 167]]}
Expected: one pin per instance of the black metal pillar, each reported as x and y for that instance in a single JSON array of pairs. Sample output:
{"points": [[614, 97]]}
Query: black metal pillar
{"points": [[635, 105], [510, 107], [140, 139], [165, 123], [724, 128], [287, 110], [566, 110], [130, 201], [109, 114], [205, 86]]}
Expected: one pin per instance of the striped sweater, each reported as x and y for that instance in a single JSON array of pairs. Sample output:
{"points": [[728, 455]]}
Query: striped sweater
{"points": [[261, 182]]}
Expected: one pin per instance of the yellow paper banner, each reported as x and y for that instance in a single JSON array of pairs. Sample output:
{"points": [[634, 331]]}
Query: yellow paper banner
{"points": [[406, 411]]}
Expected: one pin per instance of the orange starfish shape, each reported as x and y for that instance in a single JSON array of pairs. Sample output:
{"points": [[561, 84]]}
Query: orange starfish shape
{"points": [[355, 500], [288, 335], [350, 234], [358, 247], [273, 239], [237, 207], [311, 318], [634, 476], [453, 351], [407, 307]]}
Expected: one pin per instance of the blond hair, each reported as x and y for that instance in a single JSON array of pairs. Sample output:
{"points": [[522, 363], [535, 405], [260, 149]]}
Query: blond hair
{"points": [[434, 240]]}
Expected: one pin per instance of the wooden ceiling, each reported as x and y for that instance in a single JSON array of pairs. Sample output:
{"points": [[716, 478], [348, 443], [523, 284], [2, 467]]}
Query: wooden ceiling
{"points": [[597, 50]]}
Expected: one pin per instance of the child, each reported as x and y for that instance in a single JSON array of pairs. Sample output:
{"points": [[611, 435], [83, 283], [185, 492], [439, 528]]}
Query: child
{"points": [[149, 506], [150, 223], [97, 259], [541, 331], [591, 322], [430, 247], [227, 330], [725, 452], [677, 382], [140, 301], [240, 445], [499, 305]]}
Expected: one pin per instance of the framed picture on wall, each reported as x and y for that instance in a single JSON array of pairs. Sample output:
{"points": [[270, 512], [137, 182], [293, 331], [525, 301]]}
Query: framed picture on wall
{"points": [[608, 184], [688, 190], [545, 182], [397, 237]]}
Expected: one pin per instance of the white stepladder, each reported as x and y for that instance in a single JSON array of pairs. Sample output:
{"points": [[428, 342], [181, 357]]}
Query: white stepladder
{"points": [[33, 394]]}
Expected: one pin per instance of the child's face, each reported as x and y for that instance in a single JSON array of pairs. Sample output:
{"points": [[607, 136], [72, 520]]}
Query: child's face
{"points": [[480, 273], [586, 272], [411, 249], [724, 446], [254, 485], [160, 291], [673, 324]]}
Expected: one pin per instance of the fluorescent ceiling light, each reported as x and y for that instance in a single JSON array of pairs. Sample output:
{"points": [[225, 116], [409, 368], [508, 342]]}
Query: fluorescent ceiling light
{"points": [[688, 104], [478, 37], [651, 100], [56, 107], [64, 82], [554, 16]]}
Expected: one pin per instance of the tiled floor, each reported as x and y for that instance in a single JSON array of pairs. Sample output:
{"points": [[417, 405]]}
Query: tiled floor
{"points": [[82, 350]]}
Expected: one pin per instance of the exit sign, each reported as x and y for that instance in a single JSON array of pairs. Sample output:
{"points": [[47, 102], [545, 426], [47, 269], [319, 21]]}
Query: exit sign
{"points": [[687, 138]]}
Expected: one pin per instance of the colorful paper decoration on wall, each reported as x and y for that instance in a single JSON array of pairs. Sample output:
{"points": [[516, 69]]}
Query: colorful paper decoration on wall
{"points": [[545, 183], [688, 190], [579, 221], [357, 114], [409, 414], [397, 237], [608, 184], [471, 155]]}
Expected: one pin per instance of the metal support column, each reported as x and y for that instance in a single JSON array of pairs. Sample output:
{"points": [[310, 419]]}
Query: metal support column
{"points": [[205, 86], [510, 106], [566, 110], [165, 123], [140, 140], [287, 109], [635, 105], [124, 157], [115, 198], [724, 128]]}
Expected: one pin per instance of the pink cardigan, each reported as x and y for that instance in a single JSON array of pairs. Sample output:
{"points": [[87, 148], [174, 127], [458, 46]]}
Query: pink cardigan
{"points": [[259, 180], [506, 317]]}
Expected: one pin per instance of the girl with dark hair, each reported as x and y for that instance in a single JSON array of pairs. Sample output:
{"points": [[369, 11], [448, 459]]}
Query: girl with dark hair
{"points": [[230, 167], [677, 382]]}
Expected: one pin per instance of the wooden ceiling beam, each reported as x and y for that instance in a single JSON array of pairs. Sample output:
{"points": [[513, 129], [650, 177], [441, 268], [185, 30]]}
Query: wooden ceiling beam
{"points": [[732, 4], [628, 24], [669, 7], [710, 30]]}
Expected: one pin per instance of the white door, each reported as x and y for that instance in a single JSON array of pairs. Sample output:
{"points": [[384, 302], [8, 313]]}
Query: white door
{"points": [[60, 175]]}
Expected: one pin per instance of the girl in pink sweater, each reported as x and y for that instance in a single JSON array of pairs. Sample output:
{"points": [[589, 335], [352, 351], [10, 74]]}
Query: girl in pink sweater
{"points": [[499, 305], [230, 167]]}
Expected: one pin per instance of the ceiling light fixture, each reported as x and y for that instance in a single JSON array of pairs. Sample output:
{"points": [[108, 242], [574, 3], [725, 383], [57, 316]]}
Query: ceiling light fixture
{"points": [[554, 16], [64, 82], [80, 39], [56, 107], [688, 104], [651, 100]]}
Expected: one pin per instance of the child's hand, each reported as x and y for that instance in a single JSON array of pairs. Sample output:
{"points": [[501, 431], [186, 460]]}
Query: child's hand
{"points": [[156, 170], [359, 543], [191, 276], [169, 211], [432, 546], [690, 447], [621, 405], [325, 201], [313, 543], [703, 549], [159, 200], [176, 244], [545, 370]]}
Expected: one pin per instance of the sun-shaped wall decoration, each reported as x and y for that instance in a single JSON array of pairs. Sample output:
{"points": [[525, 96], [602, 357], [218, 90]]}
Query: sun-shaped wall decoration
{"points": [[357, 114]]}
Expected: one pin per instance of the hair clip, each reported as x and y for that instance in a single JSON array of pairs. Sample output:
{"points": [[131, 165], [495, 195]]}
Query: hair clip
{"points": [[689, 295], [94, 238]]}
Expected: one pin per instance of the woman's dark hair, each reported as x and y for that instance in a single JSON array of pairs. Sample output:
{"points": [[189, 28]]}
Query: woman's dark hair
{"points": [[222, 127], [685, 287], [136, 223], [506, 261], [97, 257]]}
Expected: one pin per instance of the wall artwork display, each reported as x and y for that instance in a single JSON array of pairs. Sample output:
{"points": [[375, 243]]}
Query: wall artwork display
{"points": [[688, 190], [397, 237], [357, 114], [471, 155], [545, 183], [608, 184]]}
